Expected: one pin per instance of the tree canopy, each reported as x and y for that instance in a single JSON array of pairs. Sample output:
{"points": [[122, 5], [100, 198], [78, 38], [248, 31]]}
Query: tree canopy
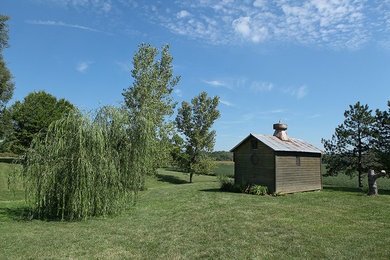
{"points": [[148, 102], [381, 138], [195, 121], [33, 115], [6, 84]]}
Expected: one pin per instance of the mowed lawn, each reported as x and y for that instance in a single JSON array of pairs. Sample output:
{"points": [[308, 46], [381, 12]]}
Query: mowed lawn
{"points": [[174, 219]]}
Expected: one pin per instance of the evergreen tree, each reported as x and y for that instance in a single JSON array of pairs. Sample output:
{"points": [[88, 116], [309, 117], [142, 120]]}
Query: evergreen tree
{"points": [[349, 149], [381, 138]]}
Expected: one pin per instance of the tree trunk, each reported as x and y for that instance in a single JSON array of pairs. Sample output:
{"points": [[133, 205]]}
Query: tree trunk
{"points": [[372, 186], [360, 170], [191, 177], [360, 180]]}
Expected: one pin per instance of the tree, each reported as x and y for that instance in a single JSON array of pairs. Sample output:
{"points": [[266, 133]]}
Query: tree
{"points": [[6, 85], [195, 121], [381, 138], [349, 149], [149, 101], [32, 116], [381, 146], [81, 167]]}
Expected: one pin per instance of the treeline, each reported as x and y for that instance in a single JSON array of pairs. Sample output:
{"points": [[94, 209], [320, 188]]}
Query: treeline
{"points": [[221, 156]]}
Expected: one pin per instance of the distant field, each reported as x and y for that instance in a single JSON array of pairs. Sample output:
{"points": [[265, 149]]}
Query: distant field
{"points": [[224, 168], [174, 219]]}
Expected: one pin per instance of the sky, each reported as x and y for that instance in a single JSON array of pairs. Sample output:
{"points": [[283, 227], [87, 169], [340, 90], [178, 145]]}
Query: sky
{"points": [[302, 62]]}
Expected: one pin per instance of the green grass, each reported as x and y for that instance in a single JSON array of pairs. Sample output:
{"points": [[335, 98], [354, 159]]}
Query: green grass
{"points": [[174, 219]]}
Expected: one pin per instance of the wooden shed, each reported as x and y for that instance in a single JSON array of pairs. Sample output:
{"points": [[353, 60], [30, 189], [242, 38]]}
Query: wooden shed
{"points": [[283, 164]]}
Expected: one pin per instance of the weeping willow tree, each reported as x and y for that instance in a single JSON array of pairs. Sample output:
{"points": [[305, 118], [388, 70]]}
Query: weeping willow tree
{"points": [[85, 165]]}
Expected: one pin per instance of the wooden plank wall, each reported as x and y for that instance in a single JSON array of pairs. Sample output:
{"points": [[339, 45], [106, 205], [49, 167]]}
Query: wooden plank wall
{"points": [[261, 173], [293, 178]]}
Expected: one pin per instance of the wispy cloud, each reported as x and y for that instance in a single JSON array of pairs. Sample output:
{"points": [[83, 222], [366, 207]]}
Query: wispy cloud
{"points": [[225, 102], [99, 6], [83, 66], [59, 23], [314, 116], [299, 92], [257, 86], [217, 83]]}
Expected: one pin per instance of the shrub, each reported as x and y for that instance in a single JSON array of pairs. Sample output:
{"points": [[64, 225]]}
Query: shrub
{"points": [[258, 190], [228, 185]]}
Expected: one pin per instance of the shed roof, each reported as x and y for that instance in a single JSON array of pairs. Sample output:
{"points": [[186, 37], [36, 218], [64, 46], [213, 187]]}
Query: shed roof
{"points": [[293, 145]]}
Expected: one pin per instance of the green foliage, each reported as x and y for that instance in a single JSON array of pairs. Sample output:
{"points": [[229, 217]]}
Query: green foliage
{"points": [[83, 166], [258, 190], [203, 165], [228, 185], [381, 138], [349, 149], [148, 102], [32, 116], [195, 121], [6, 84], [221, 156]]}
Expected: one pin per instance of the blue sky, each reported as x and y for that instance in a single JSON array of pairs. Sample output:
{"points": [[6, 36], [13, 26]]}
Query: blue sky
{"points": [[302, 62]]}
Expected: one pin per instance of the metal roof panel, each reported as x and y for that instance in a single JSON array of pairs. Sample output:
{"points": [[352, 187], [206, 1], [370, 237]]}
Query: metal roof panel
{"points": [[293, 145]]}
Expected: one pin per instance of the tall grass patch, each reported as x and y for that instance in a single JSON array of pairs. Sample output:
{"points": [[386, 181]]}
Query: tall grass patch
{"points": [[86, 165]]}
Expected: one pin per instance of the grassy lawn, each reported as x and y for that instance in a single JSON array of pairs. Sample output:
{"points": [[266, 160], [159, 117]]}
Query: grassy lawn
{"points": [[177, 220]]}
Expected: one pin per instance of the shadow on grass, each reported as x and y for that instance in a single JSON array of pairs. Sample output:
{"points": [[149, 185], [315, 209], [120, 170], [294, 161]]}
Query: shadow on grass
{"points": [[356, 190], [170, 178], [212, 190], [15, 214], [173, 169]]}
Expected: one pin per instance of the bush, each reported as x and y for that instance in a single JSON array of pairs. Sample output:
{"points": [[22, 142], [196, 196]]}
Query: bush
{"points": [[228, 185], [258, 190]]}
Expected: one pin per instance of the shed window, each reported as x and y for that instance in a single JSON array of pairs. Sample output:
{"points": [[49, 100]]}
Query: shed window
{"points": [[254, 145], [298, 160]]}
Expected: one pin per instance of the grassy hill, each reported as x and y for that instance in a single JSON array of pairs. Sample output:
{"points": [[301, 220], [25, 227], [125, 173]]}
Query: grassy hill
{"points": [[176, 219]]}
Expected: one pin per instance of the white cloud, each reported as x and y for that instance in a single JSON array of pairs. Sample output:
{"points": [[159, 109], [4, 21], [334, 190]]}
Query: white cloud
{"points": [[59, 23], [241, 26], [259, 3], [299, 93], [261, 86], [83, 66], [183, 14], [334, 24], [225, 102], [178, 92], [215, 83]]}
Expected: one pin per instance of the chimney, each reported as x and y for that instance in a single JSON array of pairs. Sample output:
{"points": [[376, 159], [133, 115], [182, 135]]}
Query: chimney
{"points": [[280, 131]]}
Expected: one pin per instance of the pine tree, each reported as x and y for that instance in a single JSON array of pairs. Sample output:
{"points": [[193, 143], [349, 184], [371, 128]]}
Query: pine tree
{"points": [[349, 149]]}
